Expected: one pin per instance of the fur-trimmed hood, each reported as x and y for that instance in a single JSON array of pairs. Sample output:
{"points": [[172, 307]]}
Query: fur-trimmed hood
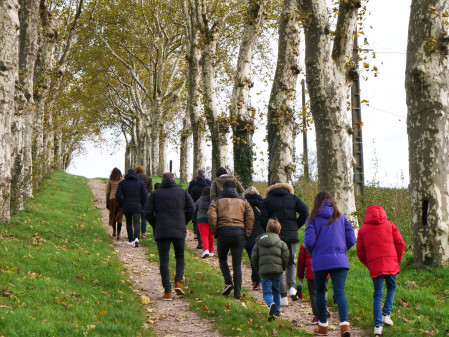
{"points": [[279, 185]]}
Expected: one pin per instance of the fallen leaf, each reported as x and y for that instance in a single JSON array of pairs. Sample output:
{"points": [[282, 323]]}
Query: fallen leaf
{"points": [[145, 300]]}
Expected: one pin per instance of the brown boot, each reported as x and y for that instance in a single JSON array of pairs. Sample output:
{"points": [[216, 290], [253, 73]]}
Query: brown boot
{"points": [[179, 290], [119, 229], [321, 330], [167, 296], [345, 330]]}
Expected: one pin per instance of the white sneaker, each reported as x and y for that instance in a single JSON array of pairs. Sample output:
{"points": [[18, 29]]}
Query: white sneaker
{"points": [[130, 243], [211, 254], [378, 330], [292, 293], [284, 301], [387, 320], [205, 254], [136, 243]]}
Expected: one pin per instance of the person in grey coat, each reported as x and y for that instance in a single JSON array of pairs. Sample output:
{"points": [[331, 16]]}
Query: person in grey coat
{"points": [[200, 218], [270, 257]]}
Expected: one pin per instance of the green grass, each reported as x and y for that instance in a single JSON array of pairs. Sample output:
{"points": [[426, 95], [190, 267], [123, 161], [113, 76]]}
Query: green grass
{"points": [[203, 285], [59, 275]]}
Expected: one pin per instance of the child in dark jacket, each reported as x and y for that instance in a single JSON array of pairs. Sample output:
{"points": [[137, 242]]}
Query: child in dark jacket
{"points": [[380, 247], [201, 208], [305, 264], [270, 257]]}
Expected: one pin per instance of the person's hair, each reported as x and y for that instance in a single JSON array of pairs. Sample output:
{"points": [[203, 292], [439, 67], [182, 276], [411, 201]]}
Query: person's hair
{"points": [[320, 198], [116, 174], [206, 191], [229, 184], [276, 182], [156, 186], [168, 175], [251, 190], [131, 171], [140, 169], [221, 171], [201, 174], [273, 226]]}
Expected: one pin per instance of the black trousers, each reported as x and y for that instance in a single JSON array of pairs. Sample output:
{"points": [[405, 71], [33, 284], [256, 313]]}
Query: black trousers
{"points": [[163, 247], [235, 244], [133, 221]]}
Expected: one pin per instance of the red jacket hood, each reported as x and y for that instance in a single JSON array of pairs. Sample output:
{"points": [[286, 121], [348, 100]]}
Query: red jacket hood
{"points": [[375, 214]]}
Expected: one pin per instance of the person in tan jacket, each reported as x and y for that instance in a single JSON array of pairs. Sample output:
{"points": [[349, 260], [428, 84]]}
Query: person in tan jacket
{"points": [[218, 183], [231, 220], [115, 212]]}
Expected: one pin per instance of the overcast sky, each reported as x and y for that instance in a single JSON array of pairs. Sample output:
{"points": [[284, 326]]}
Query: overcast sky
{"points": [[384, 120]]}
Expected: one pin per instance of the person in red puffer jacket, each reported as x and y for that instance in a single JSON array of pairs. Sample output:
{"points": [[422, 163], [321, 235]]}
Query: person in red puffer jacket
{"points": [[380, 247]]}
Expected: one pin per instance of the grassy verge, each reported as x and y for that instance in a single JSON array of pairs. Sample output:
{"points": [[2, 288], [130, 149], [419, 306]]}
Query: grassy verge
{"points": [[203, 285], [59, 275]]}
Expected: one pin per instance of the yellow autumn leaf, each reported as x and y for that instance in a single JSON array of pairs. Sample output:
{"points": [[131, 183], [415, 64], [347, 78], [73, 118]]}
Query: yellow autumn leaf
{"points": [[145, 299]]}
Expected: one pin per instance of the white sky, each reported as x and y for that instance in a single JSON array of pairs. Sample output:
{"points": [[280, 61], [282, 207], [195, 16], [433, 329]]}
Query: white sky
{"points": [[384, 120]]}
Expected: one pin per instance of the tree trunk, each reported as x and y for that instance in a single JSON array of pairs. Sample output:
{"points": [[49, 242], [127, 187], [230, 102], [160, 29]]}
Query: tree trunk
{"points": [[9, 42], [42, 79], [155, 132], [242, 119], [280, 121], [329, 79], [218, 126], [28, 45], [426, 83], [194, 107], [185, 151], [163, 148]]}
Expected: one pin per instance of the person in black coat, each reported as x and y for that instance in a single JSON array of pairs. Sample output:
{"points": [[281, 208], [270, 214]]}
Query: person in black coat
{"points": [[252, 195], [168, 210], [195, 190], [282, 204], [131, 196]]}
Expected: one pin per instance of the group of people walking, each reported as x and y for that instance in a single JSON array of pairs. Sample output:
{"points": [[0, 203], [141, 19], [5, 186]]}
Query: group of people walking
{"points": [[268, 230]]}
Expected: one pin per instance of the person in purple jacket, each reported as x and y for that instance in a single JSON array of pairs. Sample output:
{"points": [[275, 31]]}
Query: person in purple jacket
{"points": [[327, 238]]}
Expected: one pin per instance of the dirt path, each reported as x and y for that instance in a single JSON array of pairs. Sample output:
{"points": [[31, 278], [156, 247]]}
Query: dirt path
{"points": [[167, 318], [298, 312]]}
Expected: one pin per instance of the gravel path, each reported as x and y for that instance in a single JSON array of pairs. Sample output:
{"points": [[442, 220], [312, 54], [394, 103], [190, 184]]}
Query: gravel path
{"points": [[166, 318]]}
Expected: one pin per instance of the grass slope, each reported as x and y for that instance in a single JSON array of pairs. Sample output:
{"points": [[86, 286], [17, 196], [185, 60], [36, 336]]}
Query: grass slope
{"points": [[59, 275]]}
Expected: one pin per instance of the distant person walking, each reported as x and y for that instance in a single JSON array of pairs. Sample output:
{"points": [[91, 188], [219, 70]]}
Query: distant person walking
{"points": [[168, 210], [196, 185], [380, 247], [131, 196], [282, 204], [201, 208], [270, 257], [252, 195], [221, 177], [115, 212], [148, 182], [231, 219], [328, 236], [195, 190]]}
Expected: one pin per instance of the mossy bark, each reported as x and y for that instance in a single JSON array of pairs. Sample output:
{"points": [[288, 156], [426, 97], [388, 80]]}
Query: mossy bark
{"points": [[427, 89]]}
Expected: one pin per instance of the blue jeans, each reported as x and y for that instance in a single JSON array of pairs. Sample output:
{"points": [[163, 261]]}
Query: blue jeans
{"points": [[143, 223], [255, 276], [378, 283], [338, 277], [271, 292], [133, 226]]}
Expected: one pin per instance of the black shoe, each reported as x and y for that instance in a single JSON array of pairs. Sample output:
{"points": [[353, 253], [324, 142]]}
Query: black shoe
{"points": [[238, 298], [199, 247], [271, 311], [227, 289]]}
